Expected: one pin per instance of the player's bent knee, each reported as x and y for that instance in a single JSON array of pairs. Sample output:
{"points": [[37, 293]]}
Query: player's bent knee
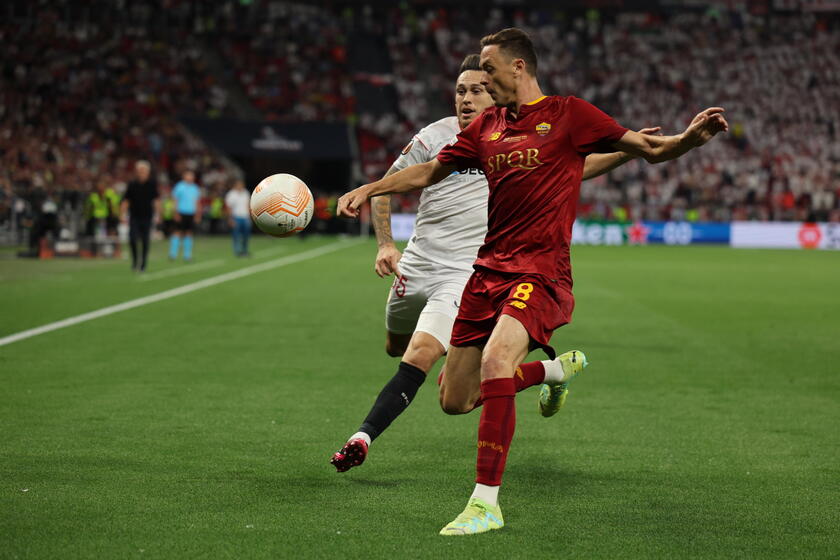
{"points": [[493, 367], [396, 344], [453, 405], [424, 350], [422, 356], [393, 350]]}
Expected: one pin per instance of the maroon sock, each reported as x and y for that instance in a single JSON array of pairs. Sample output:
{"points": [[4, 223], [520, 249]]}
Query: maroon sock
{"points": [[495, 430], [527, 375]]}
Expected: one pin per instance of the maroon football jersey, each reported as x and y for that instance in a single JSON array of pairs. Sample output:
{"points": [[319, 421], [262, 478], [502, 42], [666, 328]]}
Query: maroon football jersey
{"points": [[533, 164]]}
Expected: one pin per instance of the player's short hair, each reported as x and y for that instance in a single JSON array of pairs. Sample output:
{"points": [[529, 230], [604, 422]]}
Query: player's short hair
{"points": [[471, 62], [143, 163], [515, 43]]}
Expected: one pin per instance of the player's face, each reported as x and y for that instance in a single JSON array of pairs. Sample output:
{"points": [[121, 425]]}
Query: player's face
{"points": [[471, 98], [498, 75]]}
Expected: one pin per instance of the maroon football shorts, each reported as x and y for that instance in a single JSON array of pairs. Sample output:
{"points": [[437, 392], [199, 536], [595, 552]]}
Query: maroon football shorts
{"points": [[535, 301]]}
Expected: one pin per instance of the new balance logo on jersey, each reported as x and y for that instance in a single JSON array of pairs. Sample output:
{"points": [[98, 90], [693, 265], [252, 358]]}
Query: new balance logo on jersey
{"points": [[519, 159]]}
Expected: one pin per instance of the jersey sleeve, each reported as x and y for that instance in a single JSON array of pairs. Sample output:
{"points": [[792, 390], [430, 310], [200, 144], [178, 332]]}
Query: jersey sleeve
{"points": [[591, 129], [416, 151], [464, 153]]}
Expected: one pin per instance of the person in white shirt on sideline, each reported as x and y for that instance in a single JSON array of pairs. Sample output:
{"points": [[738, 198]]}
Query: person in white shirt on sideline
{"points": [[237, 203]]}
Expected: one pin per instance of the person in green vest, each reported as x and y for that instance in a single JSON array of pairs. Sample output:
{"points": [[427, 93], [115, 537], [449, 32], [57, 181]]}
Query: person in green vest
{"points": [[217, 212], [620, 214], [97, 208], [167, 212], [113, 200]]}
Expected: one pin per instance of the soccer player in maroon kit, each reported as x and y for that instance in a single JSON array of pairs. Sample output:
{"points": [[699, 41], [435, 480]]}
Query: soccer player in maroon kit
{"points": [[531, 148]]}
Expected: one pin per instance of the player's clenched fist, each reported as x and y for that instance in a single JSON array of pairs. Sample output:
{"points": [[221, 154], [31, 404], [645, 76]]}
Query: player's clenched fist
{"points": [[349, 203]]}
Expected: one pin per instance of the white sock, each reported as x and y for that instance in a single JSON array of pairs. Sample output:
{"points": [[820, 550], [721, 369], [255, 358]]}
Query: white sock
{"points": [[489, 494], [553, 372], [361, 435]]}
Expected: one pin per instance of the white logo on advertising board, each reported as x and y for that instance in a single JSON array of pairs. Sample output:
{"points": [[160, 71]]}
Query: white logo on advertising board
{"points": [[272, 141], [677, 233]]}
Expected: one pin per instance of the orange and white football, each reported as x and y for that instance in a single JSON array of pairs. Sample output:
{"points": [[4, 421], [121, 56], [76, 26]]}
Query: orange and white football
{"points": [[282, 205]]}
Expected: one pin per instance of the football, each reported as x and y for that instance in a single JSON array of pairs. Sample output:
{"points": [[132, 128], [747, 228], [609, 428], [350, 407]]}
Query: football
{"points": [[281, 205]]}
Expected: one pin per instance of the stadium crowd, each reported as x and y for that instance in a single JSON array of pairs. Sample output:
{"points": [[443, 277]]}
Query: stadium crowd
{"points": [[87, 92], [777, 75], [303, 77]]}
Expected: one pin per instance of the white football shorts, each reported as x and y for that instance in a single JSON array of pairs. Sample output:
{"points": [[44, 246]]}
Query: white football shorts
{"points": [[425, 299]]}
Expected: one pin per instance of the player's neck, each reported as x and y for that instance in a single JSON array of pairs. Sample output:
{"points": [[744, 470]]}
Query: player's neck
{"points": [[527, 93]]}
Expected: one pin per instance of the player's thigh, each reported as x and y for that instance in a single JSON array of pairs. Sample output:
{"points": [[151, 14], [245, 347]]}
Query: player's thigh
{"points": [[406, 300], [460, 386], [506, 349], [434, 326]]}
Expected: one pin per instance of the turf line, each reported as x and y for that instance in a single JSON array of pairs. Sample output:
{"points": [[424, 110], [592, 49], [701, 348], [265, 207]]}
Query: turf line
{"points": [[185, 289]]}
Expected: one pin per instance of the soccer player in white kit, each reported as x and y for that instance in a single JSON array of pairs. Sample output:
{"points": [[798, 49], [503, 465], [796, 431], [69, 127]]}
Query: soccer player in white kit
{"points": [[431, 274]]}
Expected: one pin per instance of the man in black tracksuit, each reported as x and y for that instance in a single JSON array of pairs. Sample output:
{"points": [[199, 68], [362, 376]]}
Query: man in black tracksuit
{"points": [[140, 199]]}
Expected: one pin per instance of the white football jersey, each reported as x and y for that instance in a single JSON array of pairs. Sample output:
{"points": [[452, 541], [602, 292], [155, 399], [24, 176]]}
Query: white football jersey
{"points": [[452, 216]]}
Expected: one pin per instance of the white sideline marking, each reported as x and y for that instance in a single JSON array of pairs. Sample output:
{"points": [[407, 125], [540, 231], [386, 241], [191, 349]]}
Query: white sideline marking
{"points": [[186, 289], [180, 270]]}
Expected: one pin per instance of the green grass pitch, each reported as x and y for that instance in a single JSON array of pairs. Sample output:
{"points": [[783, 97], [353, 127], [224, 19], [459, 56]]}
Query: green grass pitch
{"points": [[707, 425]]}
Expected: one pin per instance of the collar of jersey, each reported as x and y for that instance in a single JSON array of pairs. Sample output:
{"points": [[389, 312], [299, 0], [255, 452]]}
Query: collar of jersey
{"points": [[528, 107]]}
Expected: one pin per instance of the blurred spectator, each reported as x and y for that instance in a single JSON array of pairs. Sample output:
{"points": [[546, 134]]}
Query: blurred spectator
{"points": [[238, 204], [97, 209], [216, 210], [167, 212], [140, 203]]}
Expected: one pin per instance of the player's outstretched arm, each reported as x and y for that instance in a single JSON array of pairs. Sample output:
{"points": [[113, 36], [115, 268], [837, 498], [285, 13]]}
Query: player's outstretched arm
{"points": [[411, 178], [387, 256], [656, 149], [598, 164]]}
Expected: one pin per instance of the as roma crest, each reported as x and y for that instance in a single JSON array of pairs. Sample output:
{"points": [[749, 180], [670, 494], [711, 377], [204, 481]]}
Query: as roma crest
{"points": [[543, 128]]}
